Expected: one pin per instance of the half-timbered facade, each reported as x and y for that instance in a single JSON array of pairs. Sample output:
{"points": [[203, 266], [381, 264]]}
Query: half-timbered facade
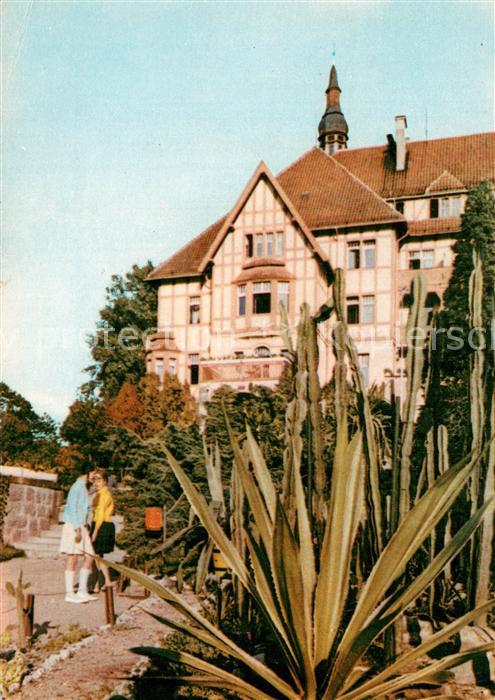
{"points": [[379, 213]]}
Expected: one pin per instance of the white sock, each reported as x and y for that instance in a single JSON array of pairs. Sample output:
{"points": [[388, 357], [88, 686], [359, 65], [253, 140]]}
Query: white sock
{"points": [[83, 580], [69, 582]]}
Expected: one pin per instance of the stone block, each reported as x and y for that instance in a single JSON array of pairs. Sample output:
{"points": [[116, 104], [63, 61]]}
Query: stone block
{"points": [[33, 528], [44, 523], [15, 493], [29, 494]]}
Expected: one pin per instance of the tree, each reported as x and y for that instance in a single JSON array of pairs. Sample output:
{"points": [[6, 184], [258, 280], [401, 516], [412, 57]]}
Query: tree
{"points": [[147, 408], [118, 345], [26, 436], [86, 430], [477, 233]]}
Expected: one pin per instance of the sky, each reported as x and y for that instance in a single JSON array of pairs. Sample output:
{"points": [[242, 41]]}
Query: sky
{"points": [[128, 127]]}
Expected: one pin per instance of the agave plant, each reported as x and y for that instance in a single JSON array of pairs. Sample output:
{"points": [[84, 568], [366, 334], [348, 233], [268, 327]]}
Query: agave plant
{"points": [[294, 557]]}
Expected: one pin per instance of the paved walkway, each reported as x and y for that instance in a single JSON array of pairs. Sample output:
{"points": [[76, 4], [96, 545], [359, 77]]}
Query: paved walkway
{"points": [[47, 584]]}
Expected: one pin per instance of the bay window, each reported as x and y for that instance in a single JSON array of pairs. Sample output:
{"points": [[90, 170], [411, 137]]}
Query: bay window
{"points": [[262, 298], [283, 294], [241, 300]]}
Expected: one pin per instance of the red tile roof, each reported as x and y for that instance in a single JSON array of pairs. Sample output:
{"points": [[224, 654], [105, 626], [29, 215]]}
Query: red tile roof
{"points": [[187, 260], [431, 227], [468, 158], [327, 195], [347, 189], [446, 182]]}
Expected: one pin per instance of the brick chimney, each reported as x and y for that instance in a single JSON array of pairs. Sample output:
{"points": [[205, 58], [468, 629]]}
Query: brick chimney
{"points": [[400, 140]]}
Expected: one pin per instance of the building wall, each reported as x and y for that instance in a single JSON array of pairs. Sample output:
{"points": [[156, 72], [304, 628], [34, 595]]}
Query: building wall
{"points": [[225, 343]]}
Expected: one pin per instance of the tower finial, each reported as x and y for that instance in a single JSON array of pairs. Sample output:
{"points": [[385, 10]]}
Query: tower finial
{"points": [[333, 130]]}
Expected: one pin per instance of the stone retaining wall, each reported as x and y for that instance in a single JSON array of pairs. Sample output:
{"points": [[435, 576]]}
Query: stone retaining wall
{"points": [[30, 511]]}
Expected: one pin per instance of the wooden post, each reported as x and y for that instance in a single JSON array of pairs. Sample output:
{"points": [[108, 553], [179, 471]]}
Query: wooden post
{"points": [[146, 571], [164, 523], [109, 607], [28, 617]]}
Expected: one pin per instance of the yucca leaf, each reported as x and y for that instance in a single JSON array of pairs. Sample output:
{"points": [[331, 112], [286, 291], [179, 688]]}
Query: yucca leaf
{"points": [[337, 547], [307, 557], [391, 608], [406, 680], [237, 684], [252, 492], [209, 632], [288, 579], [422, 650], [411, 533], [200, 507], [271, 608], [263, 476]]}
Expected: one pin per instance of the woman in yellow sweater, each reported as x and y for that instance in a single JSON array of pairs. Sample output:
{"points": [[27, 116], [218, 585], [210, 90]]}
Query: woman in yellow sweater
{"points": [[102, 527]]}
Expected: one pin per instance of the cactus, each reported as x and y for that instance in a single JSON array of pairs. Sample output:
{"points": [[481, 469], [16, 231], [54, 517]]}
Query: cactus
{"points": [[17, 592]]}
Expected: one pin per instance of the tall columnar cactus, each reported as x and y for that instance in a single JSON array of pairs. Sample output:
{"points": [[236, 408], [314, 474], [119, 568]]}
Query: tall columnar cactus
{"points": [[301, 583], [482, 412], [416, 334]]}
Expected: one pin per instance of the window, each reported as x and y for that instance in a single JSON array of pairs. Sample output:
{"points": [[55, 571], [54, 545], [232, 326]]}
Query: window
{"points": [[421, 259], [193, 362], [241, 299], [360, 311], [259, 245], [249, 245], [239, 354], [262, 351], [269, 244], [368, 309], [262, 298], [361, 255], [455, 206], [172, 365], [364, 366], [159, 368], [400, 207], [283, 294], [428, 259], [280, 244], [445, 207], [194, 310], [369, 254], [353, 255], [352, 310]]}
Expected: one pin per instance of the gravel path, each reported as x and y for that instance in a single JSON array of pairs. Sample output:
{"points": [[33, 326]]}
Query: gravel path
{"points": [[47, 584], [96, 669]]}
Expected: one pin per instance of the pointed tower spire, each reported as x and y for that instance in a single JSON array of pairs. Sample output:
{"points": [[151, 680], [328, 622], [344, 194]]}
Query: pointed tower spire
{"points": [[333, 130]]}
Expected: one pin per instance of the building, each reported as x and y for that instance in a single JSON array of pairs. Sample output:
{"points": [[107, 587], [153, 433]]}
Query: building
{"points": [[379, 213]]}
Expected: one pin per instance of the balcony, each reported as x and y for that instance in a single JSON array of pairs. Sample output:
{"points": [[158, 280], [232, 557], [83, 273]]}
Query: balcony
{"points": [[160, 341], [249, 369]]}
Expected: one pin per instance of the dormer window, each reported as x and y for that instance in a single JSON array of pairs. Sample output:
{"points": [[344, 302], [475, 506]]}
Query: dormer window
{"points": [[445, 207], [262, 351]]}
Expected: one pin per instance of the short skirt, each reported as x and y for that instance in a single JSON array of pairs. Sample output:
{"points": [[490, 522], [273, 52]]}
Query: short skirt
{"points": [[68, 544], [105, 539]]}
